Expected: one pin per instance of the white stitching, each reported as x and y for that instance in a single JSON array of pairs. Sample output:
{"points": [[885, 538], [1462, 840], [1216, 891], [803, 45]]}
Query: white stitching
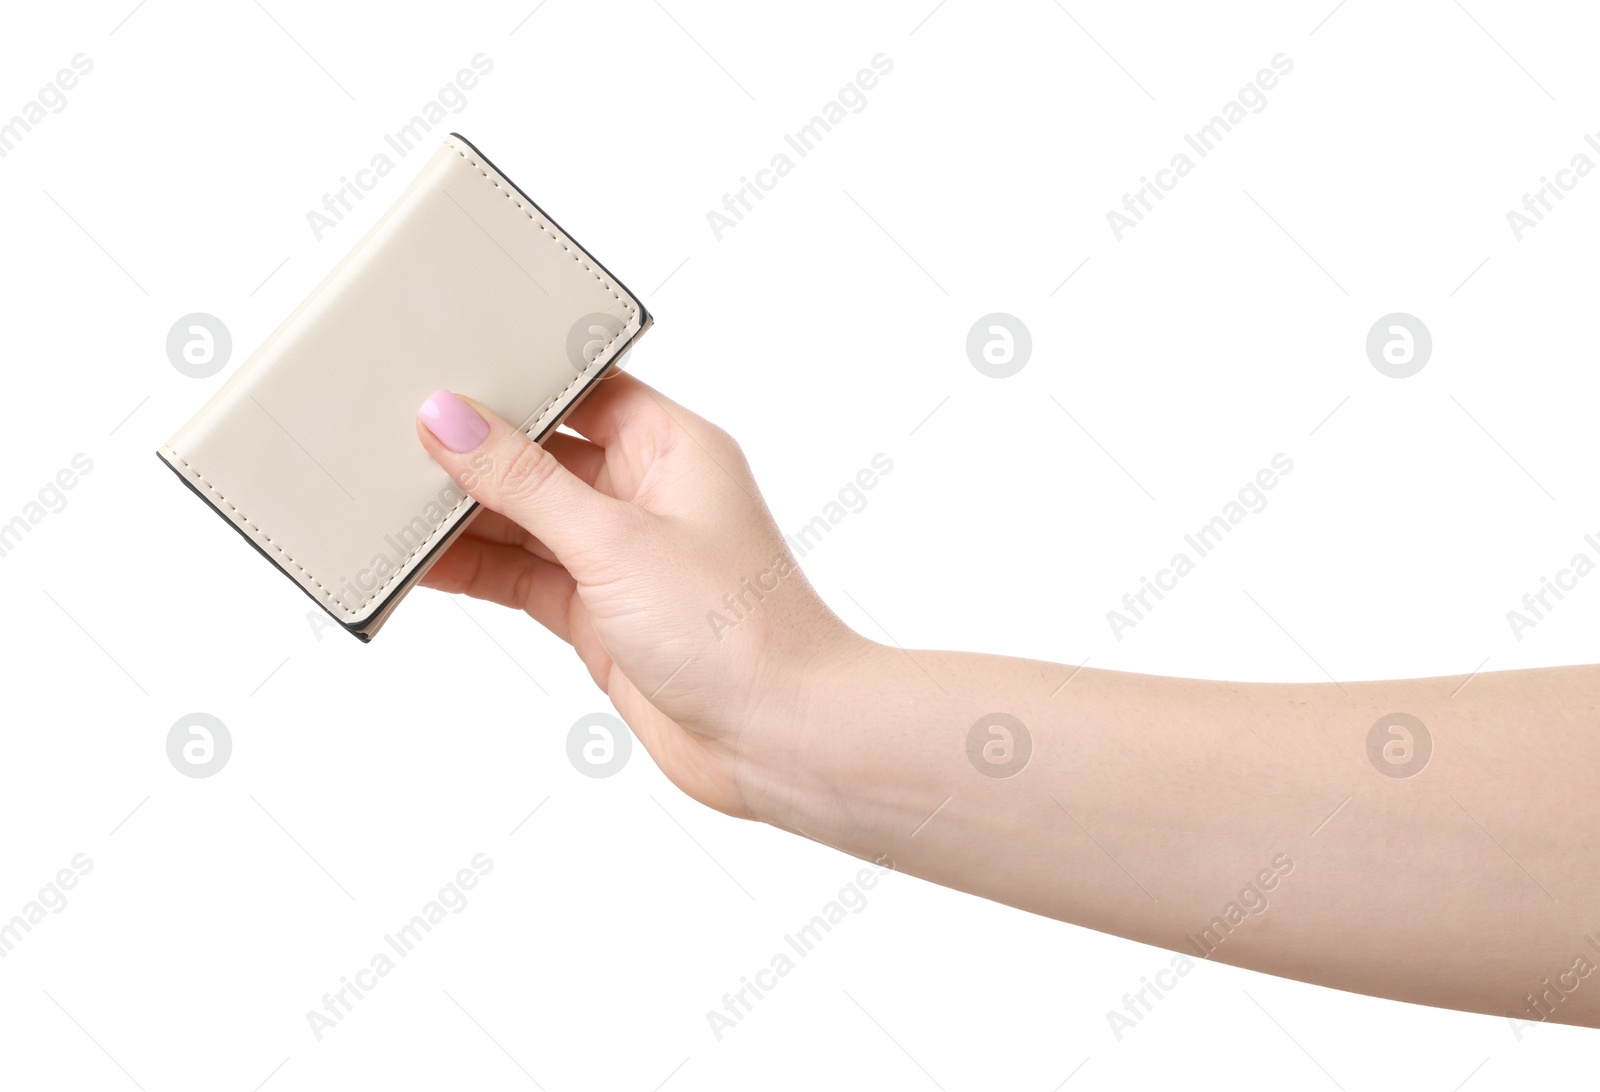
{"points": [[506, 193], [539, 418]]}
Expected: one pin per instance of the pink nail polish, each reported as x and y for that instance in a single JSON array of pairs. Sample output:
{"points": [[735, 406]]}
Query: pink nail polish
{"points": [[452, 421]]}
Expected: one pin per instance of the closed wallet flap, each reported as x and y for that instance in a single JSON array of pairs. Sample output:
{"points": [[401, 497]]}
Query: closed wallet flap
{"points": [[310, 449]]}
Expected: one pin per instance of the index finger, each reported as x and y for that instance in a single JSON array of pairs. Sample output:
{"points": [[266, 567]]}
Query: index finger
{"points": [[624, 404]]}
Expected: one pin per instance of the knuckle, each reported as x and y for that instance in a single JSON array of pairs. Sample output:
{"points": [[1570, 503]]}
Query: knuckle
{"points": [[522, 586], [527, 469], [635, 526], [723, 443]]}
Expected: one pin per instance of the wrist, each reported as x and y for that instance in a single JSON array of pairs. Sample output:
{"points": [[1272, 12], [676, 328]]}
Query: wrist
{"points": [[808, 769]]}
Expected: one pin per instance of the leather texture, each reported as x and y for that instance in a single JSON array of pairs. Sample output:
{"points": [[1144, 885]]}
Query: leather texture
{"points": [[309, 449]]}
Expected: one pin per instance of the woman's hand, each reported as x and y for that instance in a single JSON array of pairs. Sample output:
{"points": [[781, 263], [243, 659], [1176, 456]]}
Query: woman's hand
{"points": [[1152, 808], [645, 544]]}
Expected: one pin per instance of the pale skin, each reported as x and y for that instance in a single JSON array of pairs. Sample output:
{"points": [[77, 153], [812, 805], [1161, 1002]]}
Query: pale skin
{"points": [[1148, 804]]}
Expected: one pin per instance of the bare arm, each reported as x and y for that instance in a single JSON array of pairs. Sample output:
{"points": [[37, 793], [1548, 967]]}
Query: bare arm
{"points": [[1261, 825], [1267, 826]]}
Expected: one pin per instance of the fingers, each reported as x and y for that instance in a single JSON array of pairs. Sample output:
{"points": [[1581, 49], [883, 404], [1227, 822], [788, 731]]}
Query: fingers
{"points": [[625, 404], [493, 527], [618, 403], [509, 575], [508, 473], [578, 455]]}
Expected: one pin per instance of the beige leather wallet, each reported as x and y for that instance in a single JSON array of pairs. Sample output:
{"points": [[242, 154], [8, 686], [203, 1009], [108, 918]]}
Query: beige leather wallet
{"points": [[310, 451]]}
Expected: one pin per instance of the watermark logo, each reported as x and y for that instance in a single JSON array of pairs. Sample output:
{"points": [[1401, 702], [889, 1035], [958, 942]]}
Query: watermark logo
{"points": [[1541, 1005], [999, 745], [199, 745], [451, 899], [849, 500], [51, 99], [1399, 745], [1138, 1004], [404, 543], [1251, 99], [740, 1003], [1137, 605], [999, 345], [598, 745], [1536, 604], [1399, 345], [1541, 201], [589, 337], [199, 345], [739, 605], [851, 99], [51, 898], [1251, 903], [50, 499], [452, 98]]}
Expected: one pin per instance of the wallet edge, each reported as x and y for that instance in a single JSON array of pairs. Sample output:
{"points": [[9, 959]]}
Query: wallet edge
{"points": [[645, 318], [367, 626]]}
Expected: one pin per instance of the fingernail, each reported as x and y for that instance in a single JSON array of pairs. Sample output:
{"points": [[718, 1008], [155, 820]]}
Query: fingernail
{"points": [[452, 421]]}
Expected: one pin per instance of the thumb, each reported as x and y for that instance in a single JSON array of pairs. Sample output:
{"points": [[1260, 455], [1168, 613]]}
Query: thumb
{"points": [[504, 470]]}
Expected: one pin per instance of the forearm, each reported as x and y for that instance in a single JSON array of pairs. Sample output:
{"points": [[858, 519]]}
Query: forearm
{"points": [[1239, 822]]}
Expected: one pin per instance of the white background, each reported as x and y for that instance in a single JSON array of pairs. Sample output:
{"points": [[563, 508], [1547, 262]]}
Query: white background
{"points": [[827, 327]]}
